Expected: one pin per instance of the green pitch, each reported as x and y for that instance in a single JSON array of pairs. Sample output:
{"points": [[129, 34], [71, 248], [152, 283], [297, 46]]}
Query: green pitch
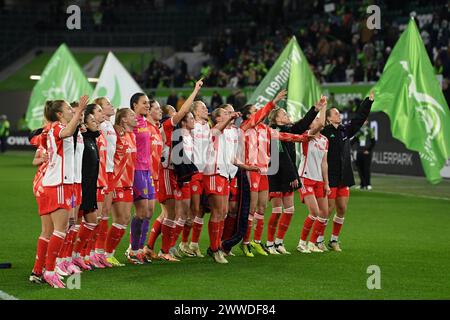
{"points": [[406, 235]]}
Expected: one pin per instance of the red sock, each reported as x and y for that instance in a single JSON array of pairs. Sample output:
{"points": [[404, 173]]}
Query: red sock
{"points": [[72, 240], [84, 236], [309, 221], [41, 254], [176, 233], [337, 225], [53, 248], [259, 227], [91, 244], [62, 252], [154, 234], [167, 230], [196, 229], [272, 225], [318, 228], [113, 237], [101, 236], [186, 230], [229, 226], [213, 231], [249, 229], [283, 225], [219, 237]]}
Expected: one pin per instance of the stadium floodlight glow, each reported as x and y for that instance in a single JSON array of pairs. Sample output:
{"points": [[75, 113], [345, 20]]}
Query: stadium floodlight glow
{"points": [[36, 77]]}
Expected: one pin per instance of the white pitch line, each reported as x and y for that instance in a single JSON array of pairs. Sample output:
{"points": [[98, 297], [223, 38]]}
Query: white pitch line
{"points": [[5, 296], [406, 195]]}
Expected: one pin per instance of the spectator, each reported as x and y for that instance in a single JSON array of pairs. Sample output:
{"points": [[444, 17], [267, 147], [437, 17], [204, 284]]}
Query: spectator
{"points": [[4, 132], [216, 100], [172, 99]]}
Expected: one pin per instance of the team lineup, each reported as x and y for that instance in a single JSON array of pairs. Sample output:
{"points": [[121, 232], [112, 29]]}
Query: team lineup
{"points": [[95, 162]]}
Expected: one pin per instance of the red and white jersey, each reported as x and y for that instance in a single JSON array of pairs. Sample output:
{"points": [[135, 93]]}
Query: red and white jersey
{"points": [[124, 160], [188, 144], [156, 146], [109, 133], [215, 157], [37, 181], [313, 152], [257, 146], [201, 135], [231, 137], [166, 133], [61, 155], [102, 153], [78, 160]]}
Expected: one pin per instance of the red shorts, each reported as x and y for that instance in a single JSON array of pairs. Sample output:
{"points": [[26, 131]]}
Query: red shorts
{"points": [[101, 191], [110, 181], [54, 198], [197, 184], [123, 194], [258, 182], [312, 187], [280, 194], [216, 184], [76, 194], [338, 192], [167, 185], [183, 193], [234, 189]]}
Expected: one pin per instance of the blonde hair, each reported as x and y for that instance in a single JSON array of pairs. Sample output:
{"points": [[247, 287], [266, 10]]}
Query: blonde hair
{"points": [[120, 114], [215, 114], [100, 101], [273, 115]]}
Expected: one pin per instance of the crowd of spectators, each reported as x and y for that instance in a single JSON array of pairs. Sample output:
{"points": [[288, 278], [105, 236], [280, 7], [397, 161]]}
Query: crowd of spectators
{"points": [[338, 45]]}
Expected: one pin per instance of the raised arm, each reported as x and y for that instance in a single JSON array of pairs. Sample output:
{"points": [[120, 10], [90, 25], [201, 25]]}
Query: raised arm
{"points": [[222, 125], [303, 124], [288, 137], [361, 116], [69, 130], [262, 113], [187, 104]]}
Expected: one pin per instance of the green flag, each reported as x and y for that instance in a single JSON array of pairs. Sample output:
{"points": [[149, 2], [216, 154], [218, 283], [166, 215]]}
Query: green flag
{"points": [[291, 71], [62, 79], [409, 93]]}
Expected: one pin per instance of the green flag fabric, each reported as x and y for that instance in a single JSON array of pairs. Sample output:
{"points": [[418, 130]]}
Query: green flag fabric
{"points": [[62, 79], [290, 71], [409, 93]]}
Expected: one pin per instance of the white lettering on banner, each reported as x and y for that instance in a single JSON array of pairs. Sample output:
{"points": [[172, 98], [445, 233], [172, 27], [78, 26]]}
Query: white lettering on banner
{"points": [[18, 141], [397, 158], [280, 79]]}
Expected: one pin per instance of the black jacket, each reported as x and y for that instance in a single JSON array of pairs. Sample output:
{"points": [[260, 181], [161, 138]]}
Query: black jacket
{"points": [[340, 171], [89, 171], [287, 171]]}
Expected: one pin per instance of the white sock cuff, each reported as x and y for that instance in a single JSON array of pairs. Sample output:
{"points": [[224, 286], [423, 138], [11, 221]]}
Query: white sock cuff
{"points": [[198, 220], [181, 222], [323, 220], [311, 217], [59, 234], [277, 210], [289, 210], [104, 218], [169, 223], [76, 228], [44, 239], [250, 217], [90, 226], [259, 216], [338, 220], [119, 226]]}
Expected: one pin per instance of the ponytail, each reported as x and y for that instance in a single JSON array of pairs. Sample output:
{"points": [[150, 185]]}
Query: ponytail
{"points": [[51, 108]]}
